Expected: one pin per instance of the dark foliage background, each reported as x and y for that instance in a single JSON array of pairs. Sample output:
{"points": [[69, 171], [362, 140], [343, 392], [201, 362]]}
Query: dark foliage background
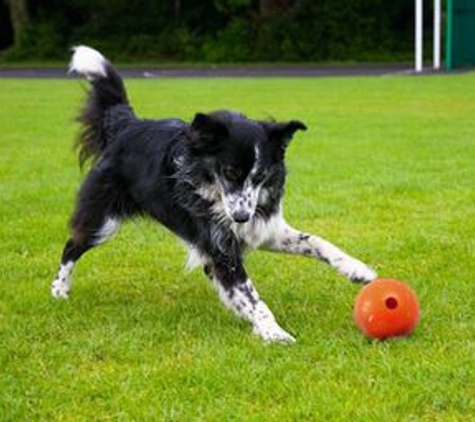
{"points": [[213, 30]]}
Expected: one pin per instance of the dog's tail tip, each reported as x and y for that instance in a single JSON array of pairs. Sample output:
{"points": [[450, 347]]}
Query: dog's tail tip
{"points": [[88, 62]]}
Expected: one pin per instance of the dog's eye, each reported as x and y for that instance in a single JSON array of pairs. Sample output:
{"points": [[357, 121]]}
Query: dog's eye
{"points": [[232, 174]]}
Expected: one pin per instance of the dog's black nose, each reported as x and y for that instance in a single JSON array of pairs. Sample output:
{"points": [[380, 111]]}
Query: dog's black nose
{"points": [[241, 216]]}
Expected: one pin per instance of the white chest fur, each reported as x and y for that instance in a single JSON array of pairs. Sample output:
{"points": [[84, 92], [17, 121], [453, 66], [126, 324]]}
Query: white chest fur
{"points": [[258, 231], [254, 234]]}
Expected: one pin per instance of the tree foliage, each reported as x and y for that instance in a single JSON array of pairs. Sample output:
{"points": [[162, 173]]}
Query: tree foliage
{"points": [[216, 30]]}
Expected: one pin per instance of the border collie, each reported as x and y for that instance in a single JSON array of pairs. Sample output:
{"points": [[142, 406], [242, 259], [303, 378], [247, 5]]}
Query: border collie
{"points": [[217, 183]]}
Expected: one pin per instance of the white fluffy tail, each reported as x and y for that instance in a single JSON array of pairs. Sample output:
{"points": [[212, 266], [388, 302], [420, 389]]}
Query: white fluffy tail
{"points": [[88, 62]]}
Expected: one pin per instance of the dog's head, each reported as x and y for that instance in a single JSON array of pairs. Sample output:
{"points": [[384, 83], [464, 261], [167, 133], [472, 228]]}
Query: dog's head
{"points": [[242, 155]]}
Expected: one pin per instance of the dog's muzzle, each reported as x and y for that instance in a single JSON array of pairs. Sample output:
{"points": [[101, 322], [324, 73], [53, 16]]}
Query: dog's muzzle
{"points": [[240, 206], [241, 216]]}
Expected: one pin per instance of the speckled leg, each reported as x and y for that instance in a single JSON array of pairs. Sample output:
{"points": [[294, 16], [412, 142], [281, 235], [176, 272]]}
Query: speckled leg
{"points": [[245, 302], [289, 240], [83, 240]]}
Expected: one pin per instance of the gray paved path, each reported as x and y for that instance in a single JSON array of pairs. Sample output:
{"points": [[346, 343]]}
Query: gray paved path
{"points": [[228, 71]]}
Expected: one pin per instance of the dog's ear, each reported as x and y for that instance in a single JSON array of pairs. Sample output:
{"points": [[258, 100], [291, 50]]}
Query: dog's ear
{"points": [[281, 134], [207, 133]]}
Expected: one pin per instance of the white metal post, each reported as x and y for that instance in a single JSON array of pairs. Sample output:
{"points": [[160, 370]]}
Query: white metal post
{"points": [[437, 31], [418, 64]]}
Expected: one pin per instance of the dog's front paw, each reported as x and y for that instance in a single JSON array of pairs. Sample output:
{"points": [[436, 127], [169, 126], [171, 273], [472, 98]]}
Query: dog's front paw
{"points": [[60, 289], [356, 270], [273, 333]]}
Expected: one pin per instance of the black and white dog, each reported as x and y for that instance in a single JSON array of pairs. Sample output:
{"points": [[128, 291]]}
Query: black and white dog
{"points": [[217, 183]]}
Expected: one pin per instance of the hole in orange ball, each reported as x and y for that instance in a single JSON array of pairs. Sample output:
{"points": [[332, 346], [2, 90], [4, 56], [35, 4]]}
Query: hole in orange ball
{"points": [[391, 303]]}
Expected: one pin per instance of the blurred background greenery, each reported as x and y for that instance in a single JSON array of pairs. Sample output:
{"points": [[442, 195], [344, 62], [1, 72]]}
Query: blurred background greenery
{"points": [[216, 31]]}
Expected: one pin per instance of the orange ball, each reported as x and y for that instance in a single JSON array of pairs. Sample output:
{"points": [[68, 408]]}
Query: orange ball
{"points": [[386, 308]]}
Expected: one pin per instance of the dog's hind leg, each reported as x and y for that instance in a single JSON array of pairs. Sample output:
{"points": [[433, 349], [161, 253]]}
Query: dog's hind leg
{"points": [[94, 222], [75, 247], [286, 239], [72, 251]]}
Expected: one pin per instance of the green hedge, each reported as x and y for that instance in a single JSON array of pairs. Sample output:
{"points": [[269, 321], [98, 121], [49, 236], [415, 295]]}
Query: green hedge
{"points": [[221, 30]]}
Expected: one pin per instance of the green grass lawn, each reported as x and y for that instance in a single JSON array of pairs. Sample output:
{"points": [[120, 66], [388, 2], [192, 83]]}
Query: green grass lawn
{"points": [[386, 171]]}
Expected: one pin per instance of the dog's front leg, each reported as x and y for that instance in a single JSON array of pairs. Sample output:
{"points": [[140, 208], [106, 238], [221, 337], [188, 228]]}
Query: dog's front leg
{"points": [[289, 240], [242, 298], [238, 293]]}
